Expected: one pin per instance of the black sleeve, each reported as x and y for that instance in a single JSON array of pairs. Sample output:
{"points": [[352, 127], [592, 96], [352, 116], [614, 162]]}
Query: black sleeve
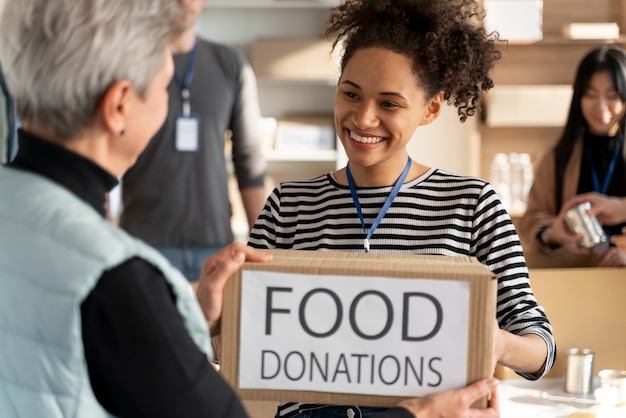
{"points": [[395, 413], [142, 362]]}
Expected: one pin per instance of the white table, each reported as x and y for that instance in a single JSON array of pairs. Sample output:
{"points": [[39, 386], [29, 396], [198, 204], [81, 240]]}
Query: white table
{"points": [[547, 399]]}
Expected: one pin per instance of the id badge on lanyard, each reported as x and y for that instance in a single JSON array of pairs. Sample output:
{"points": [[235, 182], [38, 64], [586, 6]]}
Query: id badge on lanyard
{"points": [[187, 130]]}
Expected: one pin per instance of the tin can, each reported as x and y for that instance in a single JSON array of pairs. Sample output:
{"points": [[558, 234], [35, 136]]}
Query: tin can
{"points": [[579, 371], [580, 222], [613, 382]]}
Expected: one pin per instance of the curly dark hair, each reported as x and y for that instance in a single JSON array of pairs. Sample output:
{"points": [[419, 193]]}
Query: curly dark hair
{"points": [[445, 39]]}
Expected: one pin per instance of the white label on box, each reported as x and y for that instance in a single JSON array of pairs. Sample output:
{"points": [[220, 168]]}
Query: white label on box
{"points": [[356, 335]]}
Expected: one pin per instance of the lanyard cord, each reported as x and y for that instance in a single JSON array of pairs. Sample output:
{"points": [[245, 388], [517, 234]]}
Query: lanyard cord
{"points": [[184, 84], [609, 171], [385, 208]]}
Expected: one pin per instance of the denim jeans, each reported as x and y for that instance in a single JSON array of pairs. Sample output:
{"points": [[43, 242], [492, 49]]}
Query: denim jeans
{"points": [[188, 259], [347, 411]]}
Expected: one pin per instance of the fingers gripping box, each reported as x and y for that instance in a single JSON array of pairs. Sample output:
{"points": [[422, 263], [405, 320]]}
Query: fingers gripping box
{"points": [[356, 328]]}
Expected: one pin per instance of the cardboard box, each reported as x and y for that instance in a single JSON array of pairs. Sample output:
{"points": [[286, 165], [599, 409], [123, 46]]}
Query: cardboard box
{"points": [[530, 105], [356, 328], [515, 20], [305, 132], [591, 30], [295, 59]]}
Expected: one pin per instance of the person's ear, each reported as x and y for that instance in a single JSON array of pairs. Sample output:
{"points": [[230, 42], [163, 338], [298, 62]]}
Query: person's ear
{"points": [[115, 107], [433, 109]]}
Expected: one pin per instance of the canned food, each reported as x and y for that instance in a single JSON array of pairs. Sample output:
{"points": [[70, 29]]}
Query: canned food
{"points": [[613, 382], [579, 371], [580, 222]]}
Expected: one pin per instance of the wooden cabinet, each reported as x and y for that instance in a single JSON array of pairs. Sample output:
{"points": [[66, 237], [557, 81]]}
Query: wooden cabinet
{"points": [[551, 61]]}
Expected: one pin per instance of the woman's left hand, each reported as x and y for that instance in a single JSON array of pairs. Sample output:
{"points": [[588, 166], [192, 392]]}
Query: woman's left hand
{"points": [[609, 210]]}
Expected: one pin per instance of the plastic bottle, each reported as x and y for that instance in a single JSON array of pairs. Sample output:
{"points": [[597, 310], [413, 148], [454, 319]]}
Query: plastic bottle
{"points": [[501, 177], [516, 183], [528, 173]]}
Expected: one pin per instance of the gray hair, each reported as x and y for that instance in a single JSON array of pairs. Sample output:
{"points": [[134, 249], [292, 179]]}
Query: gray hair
{"points": [[60, 56]]}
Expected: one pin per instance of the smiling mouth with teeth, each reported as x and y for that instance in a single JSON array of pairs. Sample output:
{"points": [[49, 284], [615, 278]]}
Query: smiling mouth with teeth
{"points": [[365, 139]]}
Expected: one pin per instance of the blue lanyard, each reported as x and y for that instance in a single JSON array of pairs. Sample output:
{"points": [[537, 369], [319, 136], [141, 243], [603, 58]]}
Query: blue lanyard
{"points": [[609, 172], [184, 85], [383, 211]]}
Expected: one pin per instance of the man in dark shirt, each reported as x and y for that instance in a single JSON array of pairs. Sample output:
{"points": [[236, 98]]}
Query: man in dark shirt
{"points": [[176, 196]]}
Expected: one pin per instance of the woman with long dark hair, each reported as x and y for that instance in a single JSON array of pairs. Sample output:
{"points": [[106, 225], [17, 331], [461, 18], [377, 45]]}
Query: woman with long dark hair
{"points": [[586, 164]]}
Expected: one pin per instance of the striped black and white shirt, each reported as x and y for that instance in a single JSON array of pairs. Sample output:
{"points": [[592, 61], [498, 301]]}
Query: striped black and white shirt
{"points": [[438, 213]]}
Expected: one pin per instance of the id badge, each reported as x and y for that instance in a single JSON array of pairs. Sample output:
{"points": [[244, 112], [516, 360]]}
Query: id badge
{"points": [[187, 133]]}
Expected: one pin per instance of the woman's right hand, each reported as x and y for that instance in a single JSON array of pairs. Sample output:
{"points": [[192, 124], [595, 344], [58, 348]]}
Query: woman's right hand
{"points": [[612, 257], [457, 403]]}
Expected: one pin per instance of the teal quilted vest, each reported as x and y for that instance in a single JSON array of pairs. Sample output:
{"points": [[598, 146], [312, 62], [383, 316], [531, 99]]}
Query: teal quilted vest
{"points": [[53, 249]]}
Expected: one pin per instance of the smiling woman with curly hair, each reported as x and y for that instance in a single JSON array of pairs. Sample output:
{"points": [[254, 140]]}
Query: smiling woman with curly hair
{"points": [[402, 61]]}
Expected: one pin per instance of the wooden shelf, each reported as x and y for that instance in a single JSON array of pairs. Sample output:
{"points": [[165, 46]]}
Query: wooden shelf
{"points": [[551, 61], [303, 155], [555, 40], [273, 81], [269, 4]]}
